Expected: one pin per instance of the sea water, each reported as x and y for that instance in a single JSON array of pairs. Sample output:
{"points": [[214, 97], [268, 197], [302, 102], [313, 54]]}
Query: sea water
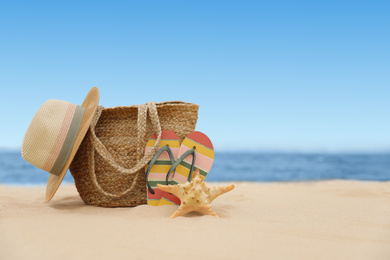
{"points": [[261, 167]]}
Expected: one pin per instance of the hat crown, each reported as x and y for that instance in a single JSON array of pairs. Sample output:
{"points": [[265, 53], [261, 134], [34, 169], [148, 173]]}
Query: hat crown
{"points": [[46, 134]]}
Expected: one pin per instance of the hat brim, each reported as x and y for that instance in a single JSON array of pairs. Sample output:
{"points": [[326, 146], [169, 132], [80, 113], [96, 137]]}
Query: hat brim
{"points": [[90, 104]]}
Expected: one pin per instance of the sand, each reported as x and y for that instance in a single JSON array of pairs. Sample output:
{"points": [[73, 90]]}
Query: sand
{"points": [[318, 220]]}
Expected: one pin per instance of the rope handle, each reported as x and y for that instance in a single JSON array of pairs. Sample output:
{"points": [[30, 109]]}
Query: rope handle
{"points": [[141, 131]]}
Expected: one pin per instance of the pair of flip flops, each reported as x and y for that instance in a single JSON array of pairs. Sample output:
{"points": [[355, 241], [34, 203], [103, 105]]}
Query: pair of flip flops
{"points": [[175, 163]]}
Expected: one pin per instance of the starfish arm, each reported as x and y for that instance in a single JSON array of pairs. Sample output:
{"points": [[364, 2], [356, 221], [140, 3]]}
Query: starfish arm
{"points": [[227, 188], [197, 175], [174, 189], [207, 210], [219, 190], [181, 211]]}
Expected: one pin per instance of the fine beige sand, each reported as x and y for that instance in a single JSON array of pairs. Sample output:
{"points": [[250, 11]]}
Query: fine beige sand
{"points": [[318, 220]]}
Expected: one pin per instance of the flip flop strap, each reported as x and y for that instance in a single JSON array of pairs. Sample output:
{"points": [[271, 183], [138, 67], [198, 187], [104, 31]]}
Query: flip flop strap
{"points": [[143, 110], [153, 161], [179, 160]]}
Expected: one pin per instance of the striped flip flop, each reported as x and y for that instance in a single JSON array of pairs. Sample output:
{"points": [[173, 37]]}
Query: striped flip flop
{"points": [[196, 152], [156, 170]]}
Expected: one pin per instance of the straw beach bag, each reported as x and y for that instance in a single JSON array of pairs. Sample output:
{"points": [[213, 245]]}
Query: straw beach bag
{"points": [[109, 167]]}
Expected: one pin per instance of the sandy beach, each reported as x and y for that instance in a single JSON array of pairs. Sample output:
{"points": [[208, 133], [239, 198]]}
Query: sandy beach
{"points": [[308, 220]]}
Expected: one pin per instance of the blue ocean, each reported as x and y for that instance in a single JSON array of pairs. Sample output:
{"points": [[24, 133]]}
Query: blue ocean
{"points": [[259, 167]]}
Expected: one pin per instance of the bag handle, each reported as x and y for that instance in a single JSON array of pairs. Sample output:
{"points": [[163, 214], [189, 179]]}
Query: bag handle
{"points": [[141, 131], [141, 125]]}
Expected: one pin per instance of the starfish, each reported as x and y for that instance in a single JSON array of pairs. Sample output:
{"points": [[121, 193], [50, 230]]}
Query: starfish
{"points": [[195, 195]]}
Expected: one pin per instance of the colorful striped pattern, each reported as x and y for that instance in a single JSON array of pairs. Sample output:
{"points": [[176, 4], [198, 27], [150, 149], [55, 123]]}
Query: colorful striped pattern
{"points": [[161, 167], [204, 153]]}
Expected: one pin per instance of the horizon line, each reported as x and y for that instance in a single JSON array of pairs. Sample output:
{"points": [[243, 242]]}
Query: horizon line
{"points": [[272, 150]]}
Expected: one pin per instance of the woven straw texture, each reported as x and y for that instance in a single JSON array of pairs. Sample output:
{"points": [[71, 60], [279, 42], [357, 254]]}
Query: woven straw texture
{"points": [[109, 167]]}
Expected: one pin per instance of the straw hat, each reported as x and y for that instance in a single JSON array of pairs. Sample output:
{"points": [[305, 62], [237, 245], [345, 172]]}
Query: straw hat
{"points": [[54, 135]]}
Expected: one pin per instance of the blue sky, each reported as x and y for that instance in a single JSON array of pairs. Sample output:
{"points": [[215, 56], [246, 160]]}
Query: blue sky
{"points": [[275, 75]]}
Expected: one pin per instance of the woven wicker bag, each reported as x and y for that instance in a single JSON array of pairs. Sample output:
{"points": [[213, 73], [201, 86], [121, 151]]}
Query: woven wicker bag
{"points": [[109, 167]]}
